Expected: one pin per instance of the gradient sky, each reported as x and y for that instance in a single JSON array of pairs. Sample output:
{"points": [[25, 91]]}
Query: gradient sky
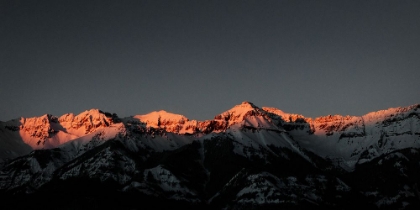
{"points": [[199, 58]]}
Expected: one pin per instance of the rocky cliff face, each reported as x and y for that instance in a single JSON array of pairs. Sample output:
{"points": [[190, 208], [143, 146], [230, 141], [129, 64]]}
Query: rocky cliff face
{"points": [[245, 158]]}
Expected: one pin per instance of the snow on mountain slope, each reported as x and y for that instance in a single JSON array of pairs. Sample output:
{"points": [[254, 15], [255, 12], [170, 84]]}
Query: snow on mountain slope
{"points": [[246, 114], [251, 141], [264, 188], [159, 130], [349, 140], [49, 131], [169, 184], [11, 145], [20, 136], [246, 156], [107, 164], [38, 167], [253, 129], [162, 141], [164, 126], [346, 140]]}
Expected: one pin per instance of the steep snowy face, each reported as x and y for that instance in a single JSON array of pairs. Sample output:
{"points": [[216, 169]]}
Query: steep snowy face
{"points": [[239, 113], [254, 132], [247, 114], [286, 117], [290, 121]]}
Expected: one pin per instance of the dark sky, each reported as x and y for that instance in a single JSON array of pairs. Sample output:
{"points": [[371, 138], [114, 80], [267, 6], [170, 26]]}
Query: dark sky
{"points": [[199, 58]]}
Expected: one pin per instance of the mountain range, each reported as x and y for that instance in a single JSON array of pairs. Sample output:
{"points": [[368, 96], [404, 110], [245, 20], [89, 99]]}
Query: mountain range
{"points": [[245, 158]]}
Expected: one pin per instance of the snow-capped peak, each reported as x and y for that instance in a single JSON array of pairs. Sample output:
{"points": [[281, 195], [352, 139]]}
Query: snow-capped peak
{"points": [[238, 112], [161, 118], [247, 114]]}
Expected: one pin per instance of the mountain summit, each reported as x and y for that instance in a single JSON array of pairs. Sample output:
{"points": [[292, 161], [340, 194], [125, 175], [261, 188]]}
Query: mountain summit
{"points": [[239, 112], [245, 158]]}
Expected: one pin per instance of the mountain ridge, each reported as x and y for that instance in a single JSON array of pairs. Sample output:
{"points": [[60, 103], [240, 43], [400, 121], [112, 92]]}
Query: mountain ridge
{"points": [[54, 131], [280, 112], [246, 157]]}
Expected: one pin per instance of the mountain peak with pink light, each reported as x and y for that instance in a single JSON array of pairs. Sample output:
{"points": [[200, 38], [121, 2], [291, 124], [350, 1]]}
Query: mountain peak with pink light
{"points": [[238, 112]]}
